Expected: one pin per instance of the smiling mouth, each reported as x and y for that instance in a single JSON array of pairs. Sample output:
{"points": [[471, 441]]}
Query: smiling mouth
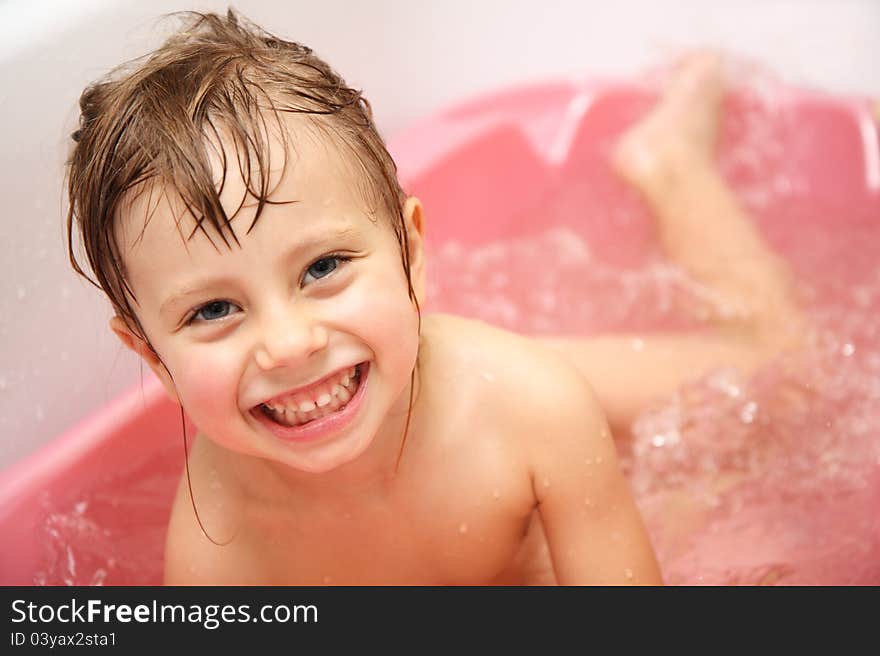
{"points": [[331, 397]]}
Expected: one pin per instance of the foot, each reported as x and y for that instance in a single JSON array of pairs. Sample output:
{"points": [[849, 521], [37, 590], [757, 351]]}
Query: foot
{"points": [[680, 131]]}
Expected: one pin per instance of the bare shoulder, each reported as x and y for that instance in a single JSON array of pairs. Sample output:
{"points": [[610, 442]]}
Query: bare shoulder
{"points": [[191, 556], [530, 381], [523, 399]]}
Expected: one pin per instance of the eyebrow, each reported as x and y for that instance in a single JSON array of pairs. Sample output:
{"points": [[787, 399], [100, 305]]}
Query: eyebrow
{"points": [[180, 295]]}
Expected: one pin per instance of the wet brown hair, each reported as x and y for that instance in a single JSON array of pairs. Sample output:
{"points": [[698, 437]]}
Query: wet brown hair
{"points": [[149, 123]]}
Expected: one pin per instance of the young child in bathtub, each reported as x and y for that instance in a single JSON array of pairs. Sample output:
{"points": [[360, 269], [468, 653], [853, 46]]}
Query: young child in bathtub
{"points": [[242, 214]]}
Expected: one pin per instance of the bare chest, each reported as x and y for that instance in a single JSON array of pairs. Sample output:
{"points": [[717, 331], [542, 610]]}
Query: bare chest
{"points": [[467, 546]]}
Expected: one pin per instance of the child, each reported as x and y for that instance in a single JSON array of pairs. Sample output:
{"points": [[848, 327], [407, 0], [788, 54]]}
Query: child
{"points": [[242, 214]]}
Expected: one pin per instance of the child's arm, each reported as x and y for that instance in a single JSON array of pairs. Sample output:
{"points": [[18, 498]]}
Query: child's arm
{"points": [[593, 527]]}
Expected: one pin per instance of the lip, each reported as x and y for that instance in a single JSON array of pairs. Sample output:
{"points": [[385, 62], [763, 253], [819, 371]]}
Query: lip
{"points": [[324, 426]]}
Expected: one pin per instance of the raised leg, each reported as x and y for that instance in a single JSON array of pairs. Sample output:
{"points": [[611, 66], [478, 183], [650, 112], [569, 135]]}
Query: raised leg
{"points": [[669, 157]]}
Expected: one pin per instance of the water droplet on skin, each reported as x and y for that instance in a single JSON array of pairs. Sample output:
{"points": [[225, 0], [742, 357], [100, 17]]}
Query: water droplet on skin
{"points": [[546, 482], [599, 460], [748, 412], [20, 293], [588, 461], [463, 528], [848, 350], [628, 573], [637, 344], [327, 580], [588, 502], [80, 507], [496, 494]]}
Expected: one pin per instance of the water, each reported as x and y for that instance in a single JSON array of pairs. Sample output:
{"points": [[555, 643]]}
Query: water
{"points": [[113, 533], [764, 479]]}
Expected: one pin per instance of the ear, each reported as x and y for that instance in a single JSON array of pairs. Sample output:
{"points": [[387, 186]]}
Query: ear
{"points": [[414, 219], [139, 346]]}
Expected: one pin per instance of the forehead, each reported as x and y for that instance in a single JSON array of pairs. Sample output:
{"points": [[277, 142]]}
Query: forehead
{"points": [[305, 167]]}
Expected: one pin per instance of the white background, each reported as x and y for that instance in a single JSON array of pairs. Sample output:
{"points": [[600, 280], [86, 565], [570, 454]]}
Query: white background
{"points": [[58, 360]]}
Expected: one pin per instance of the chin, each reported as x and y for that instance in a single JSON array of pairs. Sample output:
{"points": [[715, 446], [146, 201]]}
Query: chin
{"points": [[334, 459]]}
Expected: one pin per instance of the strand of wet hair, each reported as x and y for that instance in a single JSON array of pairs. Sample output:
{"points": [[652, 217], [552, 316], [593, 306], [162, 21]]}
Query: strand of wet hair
{"points": [[192, 498]]}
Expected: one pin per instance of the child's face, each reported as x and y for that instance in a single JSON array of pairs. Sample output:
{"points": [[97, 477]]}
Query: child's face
{"points": [[316, 288]]}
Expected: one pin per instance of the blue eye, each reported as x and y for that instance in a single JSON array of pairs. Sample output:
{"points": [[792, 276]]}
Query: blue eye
{"points": [[213, 311], [324, 266]]}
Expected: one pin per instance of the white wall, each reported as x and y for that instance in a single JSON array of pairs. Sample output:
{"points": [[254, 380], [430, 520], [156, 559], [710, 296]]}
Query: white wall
{"points": [[58, 361]]}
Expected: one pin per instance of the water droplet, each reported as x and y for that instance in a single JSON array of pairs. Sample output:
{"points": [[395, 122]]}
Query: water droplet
{"points": [[462, 528], [658, 440], [628, 573], [588, 502], [80, 507], [496, 493], [748, 412], [588, 461], [99, 576], [71, 561], [546, 482], [20, 293], [637, 344], [847, 350], [599, 460], [327, 580]]}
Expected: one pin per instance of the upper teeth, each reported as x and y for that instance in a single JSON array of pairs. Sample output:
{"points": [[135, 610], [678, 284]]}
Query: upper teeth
{"points": [[337, 388]]}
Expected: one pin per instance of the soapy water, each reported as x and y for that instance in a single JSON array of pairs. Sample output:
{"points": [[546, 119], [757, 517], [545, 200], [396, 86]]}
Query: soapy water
{"points": [[771, 478]]}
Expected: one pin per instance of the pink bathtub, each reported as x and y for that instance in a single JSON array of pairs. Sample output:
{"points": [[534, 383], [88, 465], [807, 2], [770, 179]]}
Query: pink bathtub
{"points": [[91, 507]]}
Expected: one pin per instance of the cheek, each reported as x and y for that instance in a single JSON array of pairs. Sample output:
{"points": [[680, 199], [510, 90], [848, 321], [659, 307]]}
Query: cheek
{"points": [[207, 381], [379, 310]]}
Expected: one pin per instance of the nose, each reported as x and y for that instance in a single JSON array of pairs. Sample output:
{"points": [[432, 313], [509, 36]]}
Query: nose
{"points": [[288, 336]]}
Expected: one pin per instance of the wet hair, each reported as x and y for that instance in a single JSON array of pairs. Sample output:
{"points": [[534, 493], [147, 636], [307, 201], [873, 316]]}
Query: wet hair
{"points": [[149, 125]]}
